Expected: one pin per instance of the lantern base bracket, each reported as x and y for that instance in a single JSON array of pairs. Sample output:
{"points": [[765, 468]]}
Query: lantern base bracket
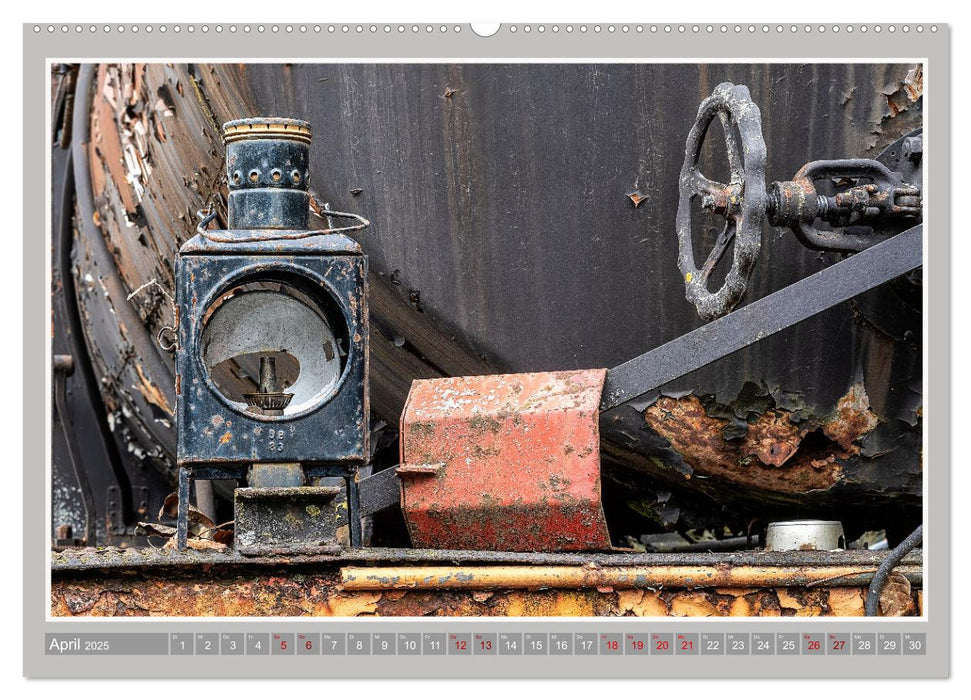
{"points": [[283, 520], [287, 520]]}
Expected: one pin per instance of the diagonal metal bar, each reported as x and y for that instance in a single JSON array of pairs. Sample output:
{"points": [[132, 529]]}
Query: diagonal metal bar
{"points": [[763, 318]]}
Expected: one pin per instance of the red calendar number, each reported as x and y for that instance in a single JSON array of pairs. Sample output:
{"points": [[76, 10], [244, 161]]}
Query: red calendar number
{"points": [[309, 645], [460, 644], [838, 644], [664, 645], [637, 644], [687, 645], [612, 645], [814, 645]]}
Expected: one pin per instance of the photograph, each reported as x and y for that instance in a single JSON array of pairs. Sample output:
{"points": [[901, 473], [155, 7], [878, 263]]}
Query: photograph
{"points": [[521, 339]]}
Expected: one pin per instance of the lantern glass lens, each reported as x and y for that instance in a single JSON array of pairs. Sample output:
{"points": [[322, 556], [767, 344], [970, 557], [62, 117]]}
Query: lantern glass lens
{"points": [[272, 349]]}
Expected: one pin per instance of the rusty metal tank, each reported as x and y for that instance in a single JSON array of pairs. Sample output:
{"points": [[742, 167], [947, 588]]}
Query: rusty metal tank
{"points": [[523, 219]]}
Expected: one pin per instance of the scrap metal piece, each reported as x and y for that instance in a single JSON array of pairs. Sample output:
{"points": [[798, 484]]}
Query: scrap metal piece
{"points": [[287, 520], [805, 535], [63, 366], [379, 491], [504, 462]]}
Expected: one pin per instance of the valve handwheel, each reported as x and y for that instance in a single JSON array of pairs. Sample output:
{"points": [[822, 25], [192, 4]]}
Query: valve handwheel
{"points": [[742, 201]]}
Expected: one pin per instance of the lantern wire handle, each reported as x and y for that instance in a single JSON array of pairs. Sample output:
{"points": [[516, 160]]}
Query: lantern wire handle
{"points": [[208, 215]]}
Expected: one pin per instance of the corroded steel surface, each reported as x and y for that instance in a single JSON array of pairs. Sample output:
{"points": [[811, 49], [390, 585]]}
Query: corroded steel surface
{"points": [[505, 462], [774, 453], [317, 592]]}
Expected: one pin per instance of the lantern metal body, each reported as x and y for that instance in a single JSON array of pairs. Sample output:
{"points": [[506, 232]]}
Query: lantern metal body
{"points": [[272, 362]]}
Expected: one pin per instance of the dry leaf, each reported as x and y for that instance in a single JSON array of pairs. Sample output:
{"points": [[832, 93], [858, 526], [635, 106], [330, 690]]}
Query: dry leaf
{"points": [[197, 544], [170, 507], [154, 530], [223, 537], [896, 600]]}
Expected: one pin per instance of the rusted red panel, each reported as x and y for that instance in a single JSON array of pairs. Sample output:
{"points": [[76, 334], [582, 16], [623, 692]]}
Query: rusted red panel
{"points": [[504, 462]]}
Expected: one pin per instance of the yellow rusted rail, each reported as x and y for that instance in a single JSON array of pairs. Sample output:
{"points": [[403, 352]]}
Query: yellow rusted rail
{"points": [[578, 577]]}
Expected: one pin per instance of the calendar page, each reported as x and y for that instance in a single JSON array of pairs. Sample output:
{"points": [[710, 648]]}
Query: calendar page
{"points": [[539, 350]]}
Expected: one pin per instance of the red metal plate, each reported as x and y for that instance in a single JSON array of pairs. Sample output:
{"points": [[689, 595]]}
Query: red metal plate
{"points": [[504, 462]]}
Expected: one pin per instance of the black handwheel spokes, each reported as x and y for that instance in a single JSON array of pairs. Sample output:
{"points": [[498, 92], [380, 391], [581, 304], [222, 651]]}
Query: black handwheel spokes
{"points": [[741, 201], [718, 250]]}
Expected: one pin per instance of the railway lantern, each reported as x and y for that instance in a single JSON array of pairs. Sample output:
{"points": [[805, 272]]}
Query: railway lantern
{"points": [[272, 354]]}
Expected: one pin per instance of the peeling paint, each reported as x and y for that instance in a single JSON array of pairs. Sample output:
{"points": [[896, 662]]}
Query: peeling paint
{"points": [[151, 392]]}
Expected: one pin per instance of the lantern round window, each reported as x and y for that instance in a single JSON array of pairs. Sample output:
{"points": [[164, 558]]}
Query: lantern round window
{"points": [[274, 348]]}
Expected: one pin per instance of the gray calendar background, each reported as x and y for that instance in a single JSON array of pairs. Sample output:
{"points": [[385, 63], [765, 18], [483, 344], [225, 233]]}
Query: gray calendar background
{"points": [[666, 43]]}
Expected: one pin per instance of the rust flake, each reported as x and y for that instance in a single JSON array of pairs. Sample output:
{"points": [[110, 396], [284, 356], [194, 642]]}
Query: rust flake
{"points": [[699, 439], [773, 438], [853, 419]]}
